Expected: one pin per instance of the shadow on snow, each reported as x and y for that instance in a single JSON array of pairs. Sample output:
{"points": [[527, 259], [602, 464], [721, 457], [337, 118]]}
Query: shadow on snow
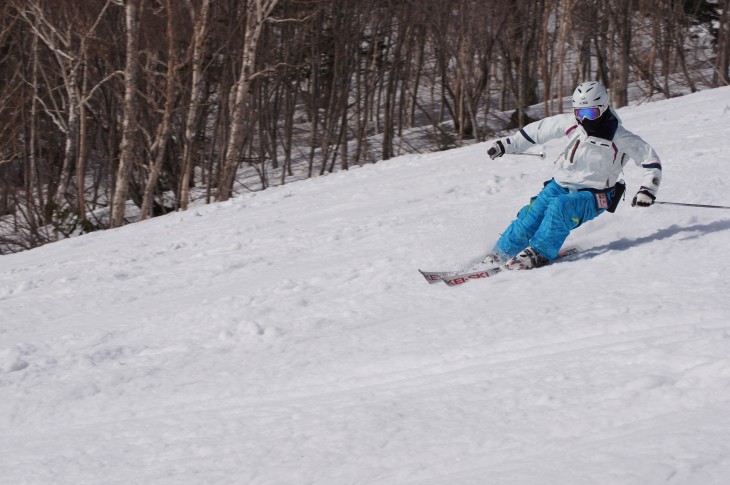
{"points": [[690, 232]]}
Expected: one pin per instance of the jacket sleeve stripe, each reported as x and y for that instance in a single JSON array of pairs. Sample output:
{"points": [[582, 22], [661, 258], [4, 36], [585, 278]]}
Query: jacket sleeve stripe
{"points": [[527, 137], [652, 165]]}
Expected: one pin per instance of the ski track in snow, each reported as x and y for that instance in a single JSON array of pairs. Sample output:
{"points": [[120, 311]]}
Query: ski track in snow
{"points": [[285, 337]]}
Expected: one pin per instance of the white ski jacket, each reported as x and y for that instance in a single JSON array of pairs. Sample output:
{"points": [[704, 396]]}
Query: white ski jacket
{"points": [[588, 161]]}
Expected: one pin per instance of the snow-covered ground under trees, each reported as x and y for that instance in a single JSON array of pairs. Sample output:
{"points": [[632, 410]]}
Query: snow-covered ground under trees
{"points": [[286, 337]]}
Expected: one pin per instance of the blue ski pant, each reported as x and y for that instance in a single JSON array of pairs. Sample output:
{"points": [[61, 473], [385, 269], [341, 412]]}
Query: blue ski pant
{"points": [[547, 220]]}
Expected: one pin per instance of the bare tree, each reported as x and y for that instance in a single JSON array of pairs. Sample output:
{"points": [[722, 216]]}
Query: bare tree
{"points": [[200, 34], [621, 12], [107, 101], [722, 60], [257, 13], [63, 29], [163, 131], [129, 123]]}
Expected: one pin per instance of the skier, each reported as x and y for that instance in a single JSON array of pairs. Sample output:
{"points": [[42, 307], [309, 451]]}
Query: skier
{"points": [[585, 179]]}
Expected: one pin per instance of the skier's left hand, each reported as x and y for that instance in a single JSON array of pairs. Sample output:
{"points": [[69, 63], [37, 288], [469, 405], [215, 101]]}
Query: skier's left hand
{"points": [[643, 199]]}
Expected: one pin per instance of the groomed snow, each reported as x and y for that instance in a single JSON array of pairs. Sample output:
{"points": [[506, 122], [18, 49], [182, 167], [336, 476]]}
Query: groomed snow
{"points": [[285, 337]]}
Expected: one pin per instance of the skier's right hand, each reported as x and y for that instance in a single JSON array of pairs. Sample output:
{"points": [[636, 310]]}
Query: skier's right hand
{"points": [[496, 150]]}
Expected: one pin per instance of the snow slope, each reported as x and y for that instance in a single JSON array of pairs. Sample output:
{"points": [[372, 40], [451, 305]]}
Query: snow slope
{"points": [[285, 337]]}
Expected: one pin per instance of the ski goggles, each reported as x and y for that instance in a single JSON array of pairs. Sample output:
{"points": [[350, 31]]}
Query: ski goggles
{"points": [[587, 113]]}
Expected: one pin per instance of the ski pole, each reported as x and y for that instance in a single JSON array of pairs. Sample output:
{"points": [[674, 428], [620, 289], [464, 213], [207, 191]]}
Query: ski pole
{"points": [[541, 154], [692, 205]]}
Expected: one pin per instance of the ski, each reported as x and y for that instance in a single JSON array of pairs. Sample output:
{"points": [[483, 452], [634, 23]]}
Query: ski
{"points": [[437, 276], [461, 278], [456, 278]]}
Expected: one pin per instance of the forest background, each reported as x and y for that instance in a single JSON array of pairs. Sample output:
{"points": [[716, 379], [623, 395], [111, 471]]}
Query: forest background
{"points": [[113, 111]]}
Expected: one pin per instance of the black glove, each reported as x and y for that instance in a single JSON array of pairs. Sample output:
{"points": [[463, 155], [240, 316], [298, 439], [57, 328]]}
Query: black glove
{"points": [[643, 198], [496, 150]]}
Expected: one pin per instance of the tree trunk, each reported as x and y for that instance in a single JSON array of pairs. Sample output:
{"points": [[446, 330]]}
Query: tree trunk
{"points": [[129, 122], [721, 76], [83, 128], [619, 86], [562, 40], [196, 85], [72, 133], [163, 133], [257, 12]]}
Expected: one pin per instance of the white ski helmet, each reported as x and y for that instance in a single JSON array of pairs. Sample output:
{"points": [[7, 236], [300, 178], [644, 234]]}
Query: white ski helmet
{"points": [[590, 100]]}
